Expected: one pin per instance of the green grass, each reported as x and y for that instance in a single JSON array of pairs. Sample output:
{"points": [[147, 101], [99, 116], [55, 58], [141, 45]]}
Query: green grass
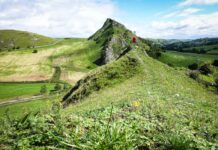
{"points": [[19, 109], [179, 59], [70, 55], [14, 90], [17, 40], [160, 83], [173, 112], [79, 53], [210, 49]]}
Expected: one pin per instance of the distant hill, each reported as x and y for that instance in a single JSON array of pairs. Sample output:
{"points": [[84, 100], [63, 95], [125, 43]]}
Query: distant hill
{"points": [[203, 45], [15, 40]]}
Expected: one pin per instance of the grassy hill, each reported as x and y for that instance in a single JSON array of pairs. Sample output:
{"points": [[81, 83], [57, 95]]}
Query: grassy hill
{"points": [[131, 102], [181, 59], [16, 40], [149, 108], [204, 45], [115, 40]]}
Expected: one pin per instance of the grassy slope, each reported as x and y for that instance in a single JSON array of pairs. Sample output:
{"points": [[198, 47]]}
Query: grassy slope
{"points": [[160, 83], [180, 59], [211, 49], [171, 106], [13, 39], [13, 90], [172, 112], [18, 110], [74, 56]]}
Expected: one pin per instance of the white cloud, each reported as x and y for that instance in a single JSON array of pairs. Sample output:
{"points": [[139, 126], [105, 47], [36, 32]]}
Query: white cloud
{"points": [[79, 18], [183, 13], [190, 27], [197, 2]]}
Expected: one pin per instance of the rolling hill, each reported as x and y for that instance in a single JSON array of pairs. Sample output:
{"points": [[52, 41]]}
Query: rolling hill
{"points": [[15, 40], [203, 45]]}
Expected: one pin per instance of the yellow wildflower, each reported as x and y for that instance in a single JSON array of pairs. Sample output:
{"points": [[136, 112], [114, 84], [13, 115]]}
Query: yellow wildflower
{"points": [[136, 103]]}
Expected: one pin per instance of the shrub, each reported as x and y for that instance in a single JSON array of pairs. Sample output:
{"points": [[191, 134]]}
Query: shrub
{"points": [[57, 87], [193, 66], [203, 51], [215, 62], [206, 69], [66, 86], [194, 75], [35, 51], [216, 81], [43, 89]]}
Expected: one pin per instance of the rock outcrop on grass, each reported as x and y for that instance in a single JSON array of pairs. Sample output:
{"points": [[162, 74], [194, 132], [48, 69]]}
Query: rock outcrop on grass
{"points": [[115, 39]]}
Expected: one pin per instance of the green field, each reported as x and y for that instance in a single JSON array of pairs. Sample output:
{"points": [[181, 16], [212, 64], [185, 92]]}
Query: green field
{"points": [[210, 49], [20, 109], [11, 40], [74, 57], [180, 59], [15, 90]]}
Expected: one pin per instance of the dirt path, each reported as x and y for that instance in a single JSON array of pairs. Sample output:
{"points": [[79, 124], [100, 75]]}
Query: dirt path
{"points": [[15, 101]]}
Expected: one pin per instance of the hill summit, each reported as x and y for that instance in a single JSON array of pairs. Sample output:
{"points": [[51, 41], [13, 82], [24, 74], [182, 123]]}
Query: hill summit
{"points": [[114, 39]]}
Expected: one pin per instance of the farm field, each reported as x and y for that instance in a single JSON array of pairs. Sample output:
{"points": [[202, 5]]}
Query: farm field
{"points": [[19, 90], [180, 59], [75, 57], [20, 109]]}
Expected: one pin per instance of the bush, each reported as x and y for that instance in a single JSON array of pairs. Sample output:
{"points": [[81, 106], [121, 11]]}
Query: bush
{"points": [[193, 66], [203, 51], [206, 69], [66, 86], [43, 89], [57, 87], [35, 51], [194, 75], [216, 81], [215, 62]]}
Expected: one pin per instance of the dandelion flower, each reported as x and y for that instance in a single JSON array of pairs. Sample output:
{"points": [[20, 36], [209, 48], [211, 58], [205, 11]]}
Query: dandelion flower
{"points": [[136, 103]]}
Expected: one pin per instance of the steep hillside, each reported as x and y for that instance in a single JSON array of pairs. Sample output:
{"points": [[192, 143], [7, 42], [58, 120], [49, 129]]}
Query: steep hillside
{"points": [[15, 40], [115, 40], [109, 75]]}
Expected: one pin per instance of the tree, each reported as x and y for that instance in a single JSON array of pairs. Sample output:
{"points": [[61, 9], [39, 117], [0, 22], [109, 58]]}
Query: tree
{"points": [[43, 89]]}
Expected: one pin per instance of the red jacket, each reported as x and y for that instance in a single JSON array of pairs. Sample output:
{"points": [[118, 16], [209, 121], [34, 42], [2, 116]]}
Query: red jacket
{"points": [[134, 39]]}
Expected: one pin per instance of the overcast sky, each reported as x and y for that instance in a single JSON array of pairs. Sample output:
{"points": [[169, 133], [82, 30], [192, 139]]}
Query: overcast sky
{"points": [[80, 18]]}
